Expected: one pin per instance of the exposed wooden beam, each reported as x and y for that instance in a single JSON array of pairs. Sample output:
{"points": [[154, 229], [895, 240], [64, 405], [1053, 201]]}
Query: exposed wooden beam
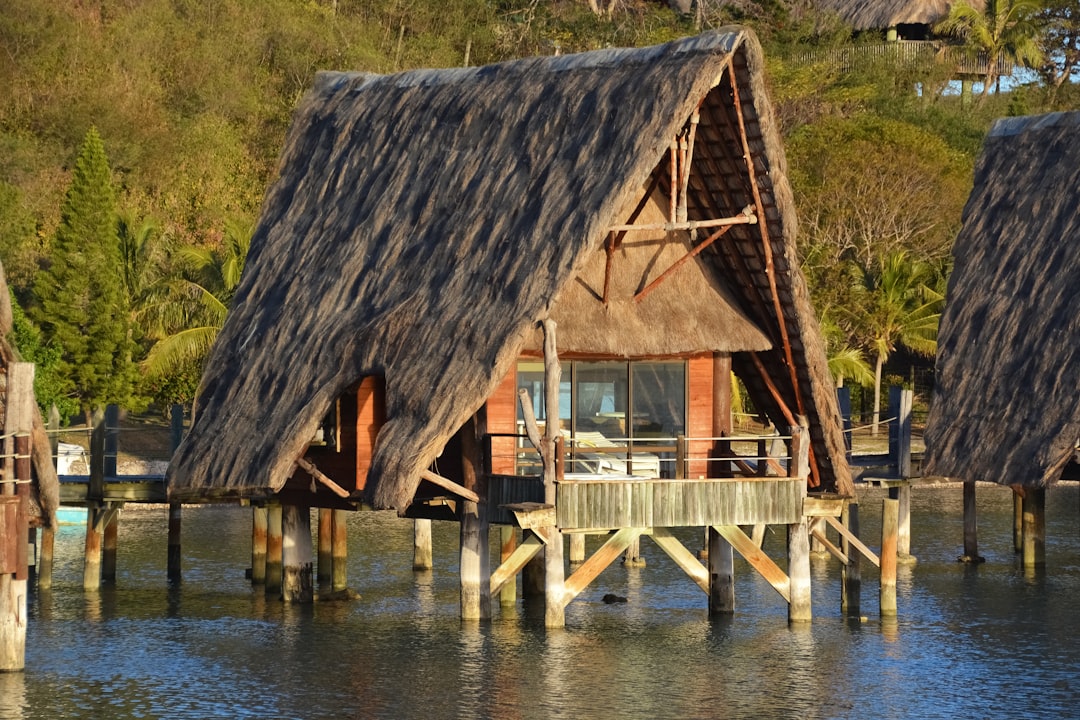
{"points": [[604, 556], [450, 485], [309, 467], [758, 559], [682, 557], [526, 551], [746, 217], [853, 540]]}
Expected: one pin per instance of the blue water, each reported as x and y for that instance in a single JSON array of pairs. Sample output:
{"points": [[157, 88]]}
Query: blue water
{"points": [[987, 641]]}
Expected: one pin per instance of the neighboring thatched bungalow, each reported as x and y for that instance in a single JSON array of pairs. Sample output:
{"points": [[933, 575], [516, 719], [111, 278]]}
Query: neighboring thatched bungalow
{"points": [[910, 20], [1006, 407], [423, 224]]}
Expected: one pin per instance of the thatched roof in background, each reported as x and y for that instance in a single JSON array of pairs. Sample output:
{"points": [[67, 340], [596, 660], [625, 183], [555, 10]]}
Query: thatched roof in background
{"points": [[882, 14], [45, 490], [424, 222], [1007, 402]]}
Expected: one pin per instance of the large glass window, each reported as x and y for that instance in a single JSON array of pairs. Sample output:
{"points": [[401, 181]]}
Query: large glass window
{"points": [[611, 410]]}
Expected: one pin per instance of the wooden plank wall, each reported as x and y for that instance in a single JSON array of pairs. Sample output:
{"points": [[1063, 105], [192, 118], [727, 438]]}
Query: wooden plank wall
{"points": [[370, 416], [586, 504], [699, 409], [502, 418]]}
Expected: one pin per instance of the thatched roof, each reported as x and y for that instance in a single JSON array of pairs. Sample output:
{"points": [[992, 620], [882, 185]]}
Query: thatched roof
{"points": [[882, 14], [45, 490], [424, 222], [1007, 402]]}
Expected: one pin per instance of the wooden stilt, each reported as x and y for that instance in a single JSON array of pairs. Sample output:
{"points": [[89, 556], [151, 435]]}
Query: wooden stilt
{"points": [[325, 548], [577, 548], [632, 557], [92, 550], [903, 534], [273, 549], [258, 545], [971, 526], [554, 581], [109, 539], [176, 515], [45, 558], [422, 558], [799, 606], [475, 560], [851, 574], [297, 584], [508, 544], [532, 578], [1034, 507], [551, 454], [890, 520], [14, 521], [1018, 520], [340, 551], [721, 575]]}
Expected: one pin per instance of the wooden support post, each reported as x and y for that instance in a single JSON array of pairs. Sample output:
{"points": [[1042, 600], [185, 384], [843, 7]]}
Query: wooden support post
{"points": [[422, 558], [971, 525], [109, 540], [799, 604], [903, 536], [15, 492], [577, 548], [721, 575], [474, 563], [112, 437], [325, 572], [632, 557], [1034, 508], [173, 566], [551, 452], [45, 558], [507, 546], [1018, 520], [297, 584], [273, 549], [900, 431], [532, 578], [851, 573], [92, 550], [339, 578], [258, 545], [890, 520], [95, 492]]}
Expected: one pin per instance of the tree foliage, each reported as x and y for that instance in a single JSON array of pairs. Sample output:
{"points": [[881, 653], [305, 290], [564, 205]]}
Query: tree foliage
{"points": [[1002, 29], [82, 306]]}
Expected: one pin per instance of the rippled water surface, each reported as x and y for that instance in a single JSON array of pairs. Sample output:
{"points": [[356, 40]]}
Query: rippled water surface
{"points": [[970, 642]]}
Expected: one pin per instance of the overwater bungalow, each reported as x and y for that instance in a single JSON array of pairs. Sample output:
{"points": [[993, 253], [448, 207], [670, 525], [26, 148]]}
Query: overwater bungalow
{"points": [[1008, 364], [442, 245], [907, 20]]}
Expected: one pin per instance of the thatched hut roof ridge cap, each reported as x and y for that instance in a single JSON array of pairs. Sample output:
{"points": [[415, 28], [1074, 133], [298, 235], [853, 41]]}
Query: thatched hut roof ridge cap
{"points": [[1008, 126], [721, 41]]}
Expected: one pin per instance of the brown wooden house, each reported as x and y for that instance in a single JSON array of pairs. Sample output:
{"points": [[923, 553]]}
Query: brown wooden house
{"points": [[423, 223]]}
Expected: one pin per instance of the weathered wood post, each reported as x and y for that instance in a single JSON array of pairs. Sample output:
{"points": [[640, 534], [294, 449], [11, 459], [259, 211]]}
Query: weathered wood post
{"points": [[1018, 519], [577, 548], [900, 401], [851, 573], [422, 557], [14, 516], [176, 435], [109, 542], [721, 574], [890, 520], [1034, 507], [48, 532], [475, 553], [95, 493], [799, 606], [340, 576], [110, 523], [551, 454], [258, 545], [971, 525], [507, 546], [273, 548], [297, 584], [325, 548]]}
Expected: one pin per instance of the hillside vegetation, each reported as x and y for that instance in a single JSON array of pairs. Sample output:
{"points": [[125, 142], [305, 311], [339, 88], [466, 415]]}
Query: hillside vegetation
{"points": [[191, 101]]}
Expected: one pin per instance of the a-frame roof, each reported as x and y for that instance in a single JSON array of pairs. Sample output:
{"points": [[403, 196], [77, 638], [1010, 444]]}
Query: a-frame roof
{"points": [[424, 222]]}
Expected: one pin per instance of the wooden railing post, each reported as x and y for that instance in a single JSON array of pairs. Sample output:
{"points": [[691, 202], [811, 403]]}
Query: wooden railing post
{"points": [[176, 435], [14, 523]]}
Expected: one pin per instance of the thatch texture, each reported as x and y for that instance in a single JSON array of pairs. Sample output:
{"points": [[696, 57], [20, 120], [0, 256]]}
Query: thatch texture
{"points": [[1006, 406], [882, 14], [45, 490], [424, 222]]}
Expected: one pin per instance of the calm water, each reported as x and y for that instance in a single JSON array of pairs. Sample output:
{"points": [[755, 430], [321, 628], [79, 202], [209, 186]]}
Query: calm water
{"points": [[970, 642]]}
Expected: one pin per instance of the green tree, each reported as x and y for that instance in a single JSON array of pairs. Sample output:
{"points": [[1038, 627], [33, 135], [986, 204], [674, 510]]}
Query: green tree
{"points": [[1060, 24], [1003, 30], [51, 386], [895, 303], [199, 304], [82, 306]]}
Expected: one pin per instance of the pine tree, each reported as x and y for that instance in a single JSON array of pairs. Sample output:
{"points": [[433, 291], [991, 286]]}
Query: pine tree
{"points": [[82, 305]]}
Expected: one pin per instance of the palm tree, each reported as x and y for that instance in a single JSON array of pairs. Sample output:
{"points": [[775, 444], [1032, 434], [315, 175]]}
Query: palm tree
{"points": [[895, 304], [198, 302], [1005, 30]]}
